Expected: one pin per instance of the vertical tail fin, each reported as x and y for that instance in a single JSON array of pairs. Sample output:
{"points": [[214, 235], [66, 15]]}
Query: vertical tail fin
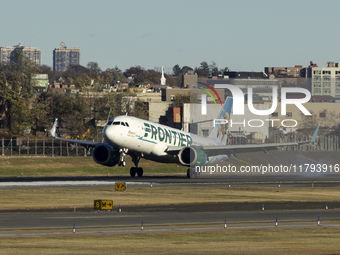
{"points": [[219, 132], [54, 128]]}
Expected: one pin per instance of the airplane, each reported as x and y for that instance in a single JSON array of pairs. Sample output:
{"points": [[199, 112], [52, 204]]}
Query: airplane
{"points": [[139, 138]]}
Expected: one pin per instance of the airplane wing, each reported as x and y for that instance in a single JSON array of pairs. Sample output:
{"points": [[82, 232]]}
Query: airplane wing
{"points": [[81, 142], [232, 149], [215, 150], [242, 148]]}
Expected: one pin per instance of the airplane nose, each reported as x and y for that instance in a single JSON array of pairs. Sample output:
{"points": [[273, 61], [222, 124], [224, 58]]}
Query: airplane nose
{"points": [[108, 133], [105, 132]]}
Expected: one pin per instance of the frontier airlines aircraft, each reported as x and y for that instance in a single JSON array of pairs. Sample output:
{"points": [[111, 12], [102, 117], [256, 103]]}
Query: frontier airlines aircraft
{"points": [[138, 138]]}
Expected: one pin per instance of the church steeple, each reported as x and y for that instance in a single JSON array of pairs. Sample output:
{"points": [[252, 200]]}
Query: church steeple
{"points": [[163, 80]]}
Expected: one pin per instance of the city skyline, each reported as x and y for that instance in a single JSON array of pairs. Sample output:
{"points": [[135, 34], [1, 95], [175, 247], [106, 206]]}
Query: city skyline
{"points": [[245, 35]]}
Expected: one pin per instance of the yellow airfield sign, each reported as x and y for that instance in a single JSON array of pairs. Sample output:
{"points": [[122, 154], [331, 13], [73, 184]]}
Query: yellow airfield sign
{"points": [[103, 204], [120, 186]]}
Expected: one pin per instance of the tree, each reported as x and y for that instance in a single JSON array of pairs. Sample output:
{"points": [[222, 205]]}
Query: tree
{"points": [[213, 69], [94, 68], [20, 117], [141, 75], [133, 71], [80, 81], [70, 110], [203, 70], [17, 91], [176, 69], [71, 74], [187, 70], [179, 100], [226, 69], [204, 66], [40, 115], [114, 75]]}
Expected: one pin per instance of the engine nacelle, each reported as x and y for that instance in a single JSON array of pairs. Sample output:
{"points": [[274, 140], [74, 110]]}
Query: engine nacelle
{"points": [[106, 155], [192, 156]]}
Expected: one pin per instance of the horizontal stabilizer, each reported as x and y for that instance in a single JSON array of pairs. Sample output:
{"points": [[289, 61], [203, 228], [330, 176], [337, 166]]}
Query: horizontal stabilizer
{"points": [[81, 142], [242, 148]]}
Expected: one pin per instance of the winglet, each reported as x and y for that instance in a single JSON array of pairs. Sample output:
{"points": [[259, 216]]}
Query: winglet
{"points": [[54, 128], [315, 133]]}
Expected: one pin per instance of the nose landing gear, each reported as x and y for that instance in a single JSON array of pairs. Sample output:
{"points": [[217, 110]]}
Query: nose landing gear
{"points": [[123, 153]]}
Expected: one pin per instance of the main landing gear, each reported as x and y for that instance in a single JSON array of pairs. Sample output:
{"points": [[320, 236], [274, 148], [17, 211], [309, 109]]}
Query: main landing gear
{"points": [[134, 170], [192, 173], [138, 170]]}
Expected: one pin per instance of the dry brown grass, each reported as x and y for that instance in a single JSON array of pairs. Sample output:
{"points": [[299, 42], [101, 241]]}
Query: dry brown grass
{"points": [[38, 198], [304, 241]]}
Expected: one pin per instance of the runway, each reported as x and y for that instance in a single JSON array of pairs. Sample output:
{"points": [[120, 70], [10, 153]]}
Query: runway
{"points": [[34, 224], [170, 180]]}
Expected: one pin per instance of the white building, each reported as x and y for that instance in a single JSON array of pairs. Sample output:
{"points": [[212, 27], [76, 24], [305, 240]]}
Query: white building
{"points": [[324, 81]]}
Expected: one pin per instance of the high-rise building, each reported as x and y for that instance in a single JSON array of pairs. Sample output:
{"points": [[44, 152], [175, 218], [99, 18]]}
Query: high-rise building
{"points": [[64, 58], [32, 53], [324, 81]]}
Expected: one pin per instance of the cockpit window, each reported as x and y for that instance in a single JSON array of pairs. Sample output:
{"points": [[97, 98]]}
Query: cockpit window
{"points": [[118, 123]]}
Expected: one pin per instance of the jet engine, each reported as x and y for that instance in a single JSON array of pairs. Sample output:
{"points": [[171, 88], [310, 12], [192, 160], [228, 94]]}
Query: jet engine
{"points": [[192, 155], [106, 155]]}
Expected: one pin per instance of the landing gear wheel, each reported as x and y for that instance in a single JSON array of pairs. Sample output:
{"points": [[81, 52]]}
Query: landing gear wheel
{"points": [[133, 171], [122, 163], [188, 173], [140, 172]]}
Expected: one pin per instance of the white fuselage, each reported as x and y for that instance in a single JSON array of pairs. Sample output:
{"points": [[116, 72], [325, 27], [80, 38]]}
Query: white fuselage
{"points": [[149, 139]]}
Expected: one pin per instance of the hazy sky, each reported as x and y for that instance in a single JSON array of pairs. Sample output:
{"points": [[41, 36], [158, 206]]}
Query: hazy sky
{"points": [[242, 35]]}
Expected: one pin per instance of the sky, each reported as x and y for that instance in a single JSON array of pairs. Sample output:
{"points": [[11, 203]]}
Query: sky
{"points": [[245, 35]]}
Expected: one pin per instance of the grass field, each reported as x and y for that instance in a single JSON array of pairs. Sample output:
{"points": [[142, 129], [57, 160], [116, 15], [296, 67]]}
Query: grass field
{"points": [[76, 166], [83, 197], [304, 241]]}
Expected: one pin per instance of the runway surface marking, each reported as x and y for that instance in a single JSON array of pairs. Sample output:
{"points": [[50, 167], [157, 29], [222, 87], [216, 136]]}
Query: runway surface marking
{"points": [[54, 232], [5, 185]]}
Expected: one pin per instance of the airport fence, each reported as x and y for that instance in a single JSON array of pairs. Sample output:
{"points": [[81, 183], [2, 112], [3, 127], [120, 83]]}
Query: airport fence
{"points": [[54, 148], [323, 143], [41, 147]]}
